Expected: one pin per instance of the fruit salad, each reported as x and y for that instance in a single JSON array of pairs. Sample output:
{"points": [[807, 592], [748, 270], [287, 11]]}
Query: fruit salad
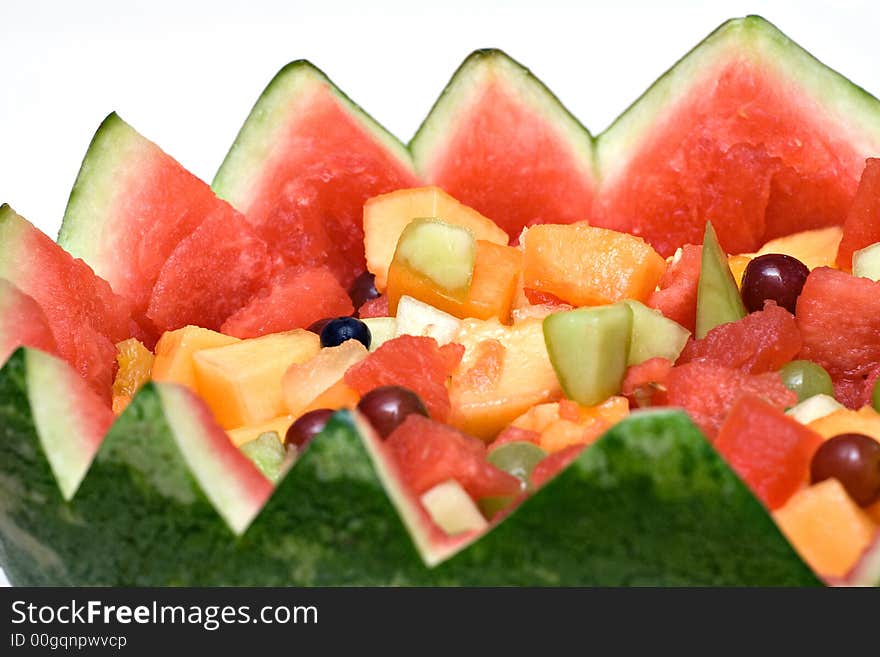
{"points": [[509, 352]]}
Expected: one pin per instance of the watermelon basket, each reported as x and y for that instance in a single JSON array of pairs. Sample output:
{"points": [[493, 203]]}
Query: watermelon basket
{"points": [[158, 495]]}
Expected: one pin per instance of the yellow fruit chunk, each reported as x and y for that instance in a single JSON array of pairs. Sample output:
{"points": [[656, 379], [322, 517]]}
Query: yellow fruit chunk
{"points": [[304, 382], [738, 264], [814, 248], [279, 425], [387, 215], [826, 527], [241, 382], [504, 372], [865, 420], [175, 350], [566, 423], [135, 362], [588, 266]]}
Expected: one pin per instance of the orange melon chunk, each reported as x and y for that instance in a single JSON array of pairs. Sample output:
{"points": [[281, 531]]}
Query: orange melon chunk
{"points": [[491, 293], [567, 423], [175, 349], [505, 371], [588, 266], [386, 216], [279, 425], [826, 527], [305, 382], [814, 248], [865, 421], [241, 382]]}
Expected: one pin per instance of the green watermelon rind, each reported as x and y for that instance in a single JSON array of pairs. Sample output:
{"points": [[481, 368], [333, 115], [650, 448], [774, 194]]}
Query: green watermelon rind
{"points": [[111, 157], [849, 104], [529, 89], [272, 113], [650, 503]]}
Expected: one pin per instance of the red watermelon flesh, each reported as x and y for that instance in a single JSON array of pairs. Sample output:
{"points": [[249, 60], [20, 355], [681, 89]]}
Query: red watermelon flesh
{"points": [[552, 464], [307, 196], [429, 453], [294, 299], [644, 384], [377, 307], [862, 227], [742, 145], [676, 296], [413, 362], [708, 391], [22, 323], [131, 206], [506, 160], [86, 318], [839, 318], [761, 341], [770, 451], [210, 274]]}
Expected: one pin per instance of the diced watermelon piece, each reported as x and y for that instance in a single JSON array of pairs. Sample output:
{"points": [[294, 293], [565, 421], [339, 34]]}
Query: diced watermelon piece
{"points": [[131, 206], [413, 362], [500, 142], [377, 307], [551, 465], [86, 318], [747, 130], [862, 227], [762, 341], [210, 274], [295, 299], [644, 384], [303, 165], [768, 449], [839, 319], [22, 323], [676, 297], [707, 392], [429, 453]]}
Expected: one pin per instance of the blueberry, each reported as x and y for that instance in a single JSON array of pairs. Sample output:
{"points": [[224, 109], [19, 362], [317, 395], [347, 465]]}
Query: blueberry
{"points": [[341, 329]]}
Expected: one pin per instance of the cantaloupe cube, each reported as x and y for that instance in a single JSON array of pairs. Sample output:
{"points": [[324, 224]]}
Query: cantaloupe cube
{"points": [[814, 248], [826, 527], [241, 382], [504, 372], [865, 421], [387, 215], [738, 264], [587, 266], [565, 423], [175, 350], [279, 425], [304, 382]]}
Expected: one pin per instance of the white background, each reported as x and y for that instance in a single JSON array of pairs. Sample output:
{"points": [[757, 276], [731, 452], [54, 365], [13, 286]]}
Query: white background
{"points": [[186, 74]]}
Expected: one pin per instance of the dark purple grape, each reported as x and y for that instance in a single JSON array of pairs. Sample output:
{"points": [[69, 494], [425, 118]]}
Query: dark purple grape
{"points": [[386, 407], [307, 426], [854, 460], [775, 277], [362, 290], [340, 329], [318, 326]]}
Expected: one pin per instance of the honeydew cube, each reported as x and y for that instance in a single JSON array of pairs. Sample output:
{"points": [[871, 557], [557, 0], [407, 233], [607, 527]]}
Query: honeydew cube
{"points": [[175, 349], [418, 318], [866, 262], [813, 408], [241, 382], [382, 329], [452, 508]]}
